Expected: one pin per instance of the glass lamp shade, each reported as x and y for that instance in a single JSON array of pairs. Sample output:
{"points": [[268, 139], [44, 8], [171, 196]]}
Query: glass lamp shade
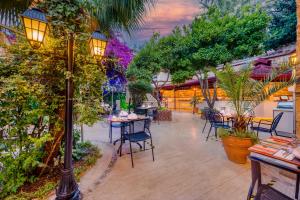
{"points": [[98, 43], [36, 25]]}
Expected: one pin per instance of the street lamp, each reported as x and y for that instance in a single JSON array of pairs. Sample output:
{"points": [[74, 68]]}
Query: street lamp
{"points": [[98, 43], [36, 24]]}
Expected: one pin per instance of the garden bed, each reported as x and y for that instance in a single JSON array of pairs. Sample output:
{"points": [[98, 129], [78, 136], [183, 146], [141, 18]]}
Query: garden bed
{"points": [[45, 184]]}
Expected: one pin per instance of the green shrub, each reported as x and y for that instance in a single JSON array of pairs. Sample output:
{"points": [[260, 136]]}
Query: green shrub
{"points": [[18, 166], [138, 90], [39, 194], [81, 149], [162, 108]]}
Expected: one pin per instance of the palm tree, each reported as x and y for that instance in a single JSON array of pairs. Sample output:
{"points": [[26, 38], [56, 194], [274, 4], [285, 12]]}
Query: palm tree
{"points": [[108, 14], [117, 14], [246, 93]]}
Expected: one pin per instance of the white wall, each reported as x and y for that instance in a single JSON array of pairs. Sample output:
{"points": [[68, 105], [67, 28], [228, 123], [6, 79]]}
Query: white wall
{"points": [[264, 109]]}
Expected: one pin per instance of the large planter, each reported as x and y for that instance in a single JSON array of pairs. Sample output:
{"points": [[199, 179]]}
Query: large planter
{"points": [[165, 115], [237, 148], [195, 110]]}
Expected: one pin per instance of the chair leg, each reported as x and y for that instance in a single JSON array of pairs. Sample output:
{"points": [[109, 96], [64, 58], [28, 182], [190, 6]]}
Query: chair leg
{"points": [[216, 133], [144, 145], [152, 149], [157, 119], [141, 147], [204, 126], [110, 134], [121, 145], [131, 155], [208, 133]]}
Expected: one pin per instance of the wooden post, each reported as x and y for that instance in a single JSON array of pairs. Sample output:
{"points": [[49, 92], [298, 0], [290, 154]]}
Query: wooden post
{"points": [[174, 98]]}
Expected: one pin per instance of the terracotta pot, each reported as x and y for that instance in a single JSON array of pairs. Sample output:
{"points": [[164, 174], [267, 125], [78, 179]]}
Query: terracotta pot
{"points": [[165, 115], [195, 110], [237, 148]]}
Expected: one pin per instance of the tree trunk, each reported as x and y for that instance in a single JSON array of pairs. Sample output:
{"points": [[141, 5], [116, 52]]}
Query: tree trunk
{"points": [[158, 87], [157, 97], [204, 86], [240, 124], [297, 89], [52, 147]]}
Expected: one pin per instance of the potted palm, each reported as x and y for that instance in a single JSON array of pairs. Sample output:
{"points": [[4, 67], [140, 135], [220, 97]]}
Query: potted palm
{"points": [[194, 102], [245, 94]]}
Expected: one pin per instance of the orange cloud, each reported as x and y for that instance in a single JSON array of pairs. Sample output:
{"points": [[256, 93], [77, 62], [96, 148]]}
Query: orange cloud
{"points": [[165, 15], [170, 11]]}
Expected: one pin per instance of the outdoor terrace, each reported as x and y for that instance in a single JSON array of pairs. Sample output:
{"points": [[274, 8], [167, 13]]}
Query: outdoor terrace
{"points": [[186, 166]]}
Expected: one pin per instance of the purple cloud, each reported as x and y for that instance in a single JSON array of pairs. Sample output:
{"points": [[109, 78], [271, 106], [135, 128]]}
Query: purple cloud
{"points": [[163, 18]]}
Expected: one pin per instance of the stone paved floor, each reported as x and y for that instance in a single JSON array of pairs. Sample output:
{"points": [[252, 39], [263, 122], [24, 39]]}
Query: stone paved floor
{"points": [[186, 167]]}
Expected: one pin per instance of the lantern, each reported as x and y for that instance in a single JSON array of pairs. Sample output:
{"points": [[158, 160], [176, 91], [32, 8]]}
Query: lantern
{"points": [[98, 44], [35, 24], [293, 59]]}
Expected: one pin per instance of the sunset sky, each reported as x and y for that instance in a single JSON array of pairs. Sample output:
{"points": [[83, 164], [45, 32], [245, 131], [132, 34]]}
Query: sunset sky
{"points": [[165, 15]]}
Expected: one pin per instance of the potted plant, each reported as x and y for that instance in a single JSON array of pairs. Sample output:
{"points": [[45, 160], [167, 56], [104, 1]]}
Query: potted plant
{"points": [[164, 114], [194, 102], [245, 94], [237, 143]]}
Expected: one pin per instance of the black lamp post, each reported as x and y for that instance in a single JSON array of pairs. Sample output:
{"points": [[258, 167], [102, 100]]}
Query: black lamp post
{"points": [[36, 25]]}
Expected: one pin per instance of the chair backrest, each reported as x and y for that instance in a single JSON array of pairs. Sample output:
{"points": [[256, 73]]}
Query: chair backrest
{"points": [[140, 125], [206, 112], [276, 121], [115, 112], [250, 119], [147, 123], [155, 114], [215, 117], [140, 111]]}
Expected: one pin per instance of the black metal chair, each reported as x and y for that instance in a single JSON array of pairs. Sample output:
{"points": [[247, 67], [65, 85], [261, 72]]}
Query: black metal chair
{"points": [[205, 113], [140, 111], [119, 125], [249, 121], [153, 113], [113, 125], [272, 125], [216, 120], [139, 131]]}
